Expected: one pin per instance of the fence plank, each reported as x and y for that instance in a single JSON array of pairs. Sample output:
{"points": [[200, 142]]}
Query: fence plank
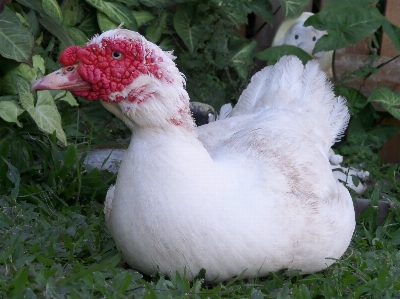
{"points": [[392, 13]]}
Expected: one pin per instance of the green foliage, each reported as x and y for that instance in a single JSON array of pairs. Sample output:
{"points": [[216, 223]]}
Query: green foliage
{"points": [[346, 25], [273, 54], [54, 243], [15, 38]]}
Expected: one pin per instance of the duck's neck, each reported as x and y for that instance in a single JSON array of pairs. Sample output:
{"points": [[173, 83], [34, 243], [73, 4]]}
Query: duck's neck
{"points": [[150, 104]]}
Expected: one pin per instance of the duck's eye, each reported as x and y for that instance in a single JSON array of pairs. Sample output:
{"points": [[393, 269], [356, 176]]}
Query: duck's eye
{"points": [[296, 36], [116, 55], [314, 39]]}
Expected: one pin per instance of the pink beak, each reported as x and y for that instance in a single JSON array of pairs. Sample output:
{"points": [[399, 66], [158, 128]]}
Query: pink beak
{"points": [[66, 78]]}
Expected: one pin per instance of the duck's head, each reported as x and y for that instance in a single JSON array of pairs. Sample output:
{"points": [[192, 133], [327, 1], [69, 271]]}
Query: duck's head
{"points": [[131, 76]]}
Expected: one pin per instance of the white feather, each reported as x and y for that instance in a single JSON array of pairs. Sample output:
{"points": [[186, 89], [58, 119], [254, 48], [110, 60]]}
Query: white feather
{"points": [[338, 119], [250, 193]]}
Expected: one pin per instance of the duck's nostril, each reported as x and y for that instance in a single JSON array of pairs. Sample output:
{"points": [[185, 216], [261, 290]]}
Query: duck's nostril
{"points": [[70, 69]]}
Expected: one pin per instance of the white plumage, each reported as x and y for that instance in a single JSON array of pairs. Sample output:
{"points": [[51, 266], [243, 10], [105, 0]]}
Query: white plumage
{"points": [[251, 193], [254, 192]]}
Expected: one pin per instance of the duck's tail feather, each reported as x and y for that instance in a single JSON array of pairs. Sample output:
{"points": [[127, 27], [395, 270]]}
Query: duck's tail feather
{"points": [[290, 86], [253, 93], [338, 119]]}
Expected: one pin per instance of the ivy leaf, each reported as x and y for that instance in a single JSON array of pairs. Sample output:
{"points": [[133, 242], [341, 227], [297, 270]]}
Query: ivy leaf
{"points": [[16, 40], [10, 110], [53, 10], [273, 54], [345, 26], [389, 99], [183, 22], [44, 113], [241, 59], [393, 32], [293, 8], [117, 12]]}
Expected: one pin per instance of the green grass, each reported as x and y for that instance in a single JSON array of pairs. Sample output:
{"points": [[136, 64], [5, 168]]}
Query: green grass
{"points": [[67, 253]]}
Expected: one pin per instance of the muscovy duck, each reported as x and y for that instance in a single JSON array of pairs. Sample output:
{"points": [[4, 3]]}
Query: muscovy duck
{"points": [[245, 195]]}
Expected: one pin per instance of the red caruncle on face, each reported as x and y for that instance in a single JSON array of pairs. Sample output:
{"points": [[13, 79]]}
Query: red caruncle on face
{"points": [[111, 66]]}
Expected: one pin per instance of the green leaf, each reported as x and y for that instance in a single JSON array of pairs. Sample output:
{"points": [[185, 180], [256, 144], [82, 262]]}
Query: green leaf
{"points": [[382, 277], [332, 4], [53, 10], [35, 5], [293, 8], [16, 40], [389, 99], [104, 22], [241, 59], [117, 12], [167, 44], [236, 14], [66, 96], [160, 3], [130, 2], [14, 177], [109, 263], [125, 284], [44, 113], [33, 23], [10, 110], [57, 30], [79, 37], [20, 280], [73, 13], [89, 24], [263, 9], [154, 32], [24, 70], [273, 54], [143, 16], [393, 32], [183, 22], [356, 101], [345, 26]]}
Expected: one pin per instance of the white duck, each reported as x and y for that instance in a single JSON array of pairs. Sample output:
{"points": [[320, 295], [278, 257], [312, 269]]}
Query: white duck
{"points": [[250, 194]]}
